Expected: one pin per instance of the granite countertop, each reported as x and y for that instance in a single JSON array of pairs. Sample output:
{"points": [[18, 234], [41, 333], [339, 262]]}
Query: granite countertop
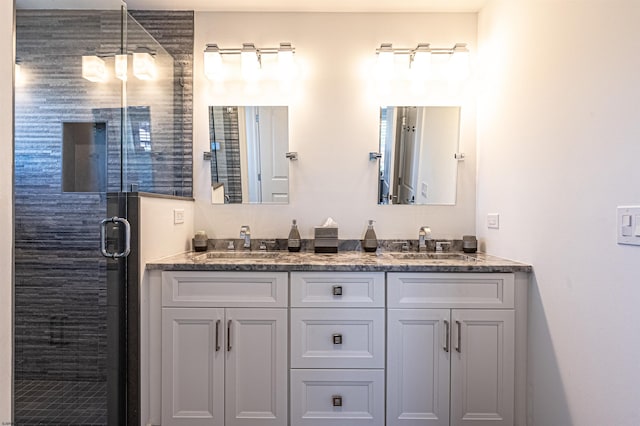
{"points": [[348, 261]]}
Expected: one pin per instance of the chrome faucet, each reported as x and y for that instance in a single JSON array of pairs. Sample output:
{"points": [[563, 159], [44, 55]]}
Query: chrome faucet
{"points": [[245, 233], [423, 235]]}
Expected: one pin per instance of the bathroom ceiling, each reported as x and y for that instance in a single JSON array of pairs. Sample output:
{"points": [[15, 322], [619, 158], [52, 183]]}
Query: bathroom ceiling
{"points": [[268, 5], [313, 5]]}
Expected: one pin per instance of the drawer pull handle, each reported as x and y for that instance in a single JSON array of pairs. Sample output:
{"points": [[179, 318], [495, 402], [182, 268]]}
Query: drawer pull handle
{"points": [[446, 336], [459, 347], [337, 290], [337, 400], [229, 336], [337, 339], [217, 335]]}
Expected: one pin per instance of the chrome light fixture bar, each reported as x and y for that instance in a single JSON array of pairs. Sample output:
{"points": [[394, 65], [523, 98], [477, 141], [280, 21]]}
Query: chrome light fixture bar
{"points": [[250, 57], [421, 56]]}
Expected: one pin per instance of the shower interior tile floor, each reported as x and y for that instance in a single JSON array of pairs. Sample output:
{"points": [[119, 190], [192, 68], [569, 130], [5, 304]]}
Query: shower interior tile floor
{"points": [[46, 402]]}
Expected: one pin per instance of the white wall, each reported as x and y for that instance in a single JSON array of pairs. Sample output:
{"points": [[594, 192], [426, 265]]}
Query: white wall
{"points": [[159, 237], [6, 207], [334, 114], [559, 143]]}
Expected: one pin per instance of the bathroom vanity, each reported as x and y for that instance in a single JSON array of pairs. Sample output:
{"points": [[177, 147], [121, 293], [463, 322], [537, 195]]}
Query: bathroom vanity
{"points": [[347, 339]]}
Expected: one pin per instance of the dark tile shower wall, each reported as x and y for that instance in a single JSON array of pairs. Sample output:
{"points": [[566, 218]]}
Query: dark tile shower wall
{"points": [[174, 31], [60, 294], [225, 161]]}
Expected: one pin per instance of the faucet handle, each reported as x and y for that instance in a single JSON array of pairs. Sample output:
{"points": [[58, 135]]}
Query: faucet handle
{"points": [[245, 230], [426, 230]]}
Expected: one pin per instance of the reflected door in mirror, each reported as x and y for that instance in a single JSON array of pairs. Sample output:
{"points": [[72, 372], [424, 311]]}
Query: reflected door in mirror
{"points": [[418, 146], [249, 146]]}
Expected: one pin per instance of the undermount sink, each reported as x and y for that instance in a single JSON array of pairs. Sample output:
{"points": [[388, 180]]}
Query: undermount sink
{"points": [[238, 255], [434, 256]]}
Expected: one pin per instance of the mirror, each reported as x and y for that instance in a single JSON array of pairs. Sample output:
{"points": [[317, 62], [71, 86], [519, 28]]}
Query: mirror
{"points": [[248, 154], [418, 146]]}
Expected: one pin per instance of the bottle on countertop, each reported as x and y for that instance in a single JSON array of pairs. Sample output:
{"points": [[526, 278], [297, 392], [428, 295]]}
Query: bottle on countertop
{"points": [[293, 243], [370, 242]]}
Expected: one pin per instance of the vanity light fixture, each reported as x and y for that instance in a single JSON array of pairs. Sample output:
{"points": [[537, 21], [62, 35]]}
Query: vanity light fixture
{"points": [[385, 61], [250, 60], [459, 62], [212, 62], [421, 58], [121, 66], [94, 68], [144, 65], [17, 72]]}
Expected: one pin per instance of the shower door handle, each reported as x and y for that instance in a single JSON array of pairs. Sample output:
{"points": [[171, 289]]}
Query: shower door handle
{"points": [[103, 237]]}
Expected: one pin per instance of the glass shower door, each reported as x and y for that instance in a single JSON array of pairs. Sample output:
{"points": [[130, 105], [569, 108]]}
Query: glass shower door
{"points": [[68, 132]]}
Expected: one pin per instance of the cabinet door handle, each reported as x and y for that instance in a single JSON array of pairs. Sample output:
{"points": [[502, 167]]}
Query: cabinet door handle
{"points": [[459, 346], [229, 336], [337, 400], [217, 335], [446, 336], [337, 290], [337, 339]]}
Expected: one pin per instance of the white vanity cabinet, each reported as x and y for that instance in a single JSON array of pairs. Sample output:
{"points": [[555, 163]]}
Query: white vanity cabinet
{"points": [[450, 349], [224, 348], [337, 348]]}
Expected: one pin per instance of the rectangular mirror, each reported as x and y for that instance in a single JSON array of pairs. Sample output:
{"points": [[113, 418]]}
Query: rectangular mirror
{"points": [[248, 154], [418, 146]]}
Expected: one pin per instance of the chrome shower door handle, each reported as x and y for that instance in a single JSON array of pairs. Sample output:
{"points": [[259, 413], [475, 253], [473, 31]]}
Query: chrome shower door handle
{"points": [[103, 237]]}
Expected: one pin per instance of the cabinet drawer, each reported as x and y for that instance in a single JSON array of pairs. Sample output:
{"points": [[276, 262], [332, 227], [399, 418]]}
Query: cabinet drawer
{"points": [[337, 338], [224, 289], [337, 397], [337, 289], [448, 290]]}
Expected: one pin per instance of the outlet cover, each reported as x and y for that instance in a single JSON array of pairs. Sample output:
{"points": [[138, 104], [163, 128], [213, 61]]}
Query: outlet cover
{"points": [[178, 216], [493, 221]]}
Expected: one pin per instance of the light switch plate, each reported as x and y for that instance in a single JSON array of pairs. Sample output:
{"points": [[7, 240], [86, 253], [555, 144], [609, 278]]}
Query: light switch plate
{"points": [[493, 221], [628, 225], [178, 216]]}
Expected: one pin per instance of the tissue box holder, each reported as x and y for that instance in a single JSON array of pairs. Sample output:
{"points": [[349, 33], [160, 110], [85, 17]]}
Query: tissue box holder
{"points": [[325, 239]]}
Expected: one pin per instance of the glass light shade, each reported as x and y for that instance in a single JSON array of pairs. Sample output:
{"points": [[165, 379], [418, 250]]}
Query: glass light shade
{"points": [[121, 67], [250, 65], [286, 64], [421, 65], [213, 65], [459, 65], [94, 69], [384, 66], [144, 66]]}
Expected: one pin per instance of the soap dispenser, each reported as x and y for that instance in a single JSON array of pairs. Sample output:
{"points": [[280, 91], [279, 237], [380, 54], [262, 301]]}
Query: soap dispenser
{"points": [[293, 243], [370, 243]]}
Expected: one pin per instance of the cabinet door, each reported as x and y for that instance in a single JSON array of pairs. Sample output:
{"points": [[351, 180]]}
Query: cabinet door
{"points": [[192, 367], [482, 368], [418, 366], [256, 368]]}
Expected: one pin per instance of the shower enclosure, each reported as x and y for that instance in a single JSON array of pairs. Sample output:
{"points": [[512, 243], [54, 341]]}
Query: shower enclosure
{"points": [[83, 151]]}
